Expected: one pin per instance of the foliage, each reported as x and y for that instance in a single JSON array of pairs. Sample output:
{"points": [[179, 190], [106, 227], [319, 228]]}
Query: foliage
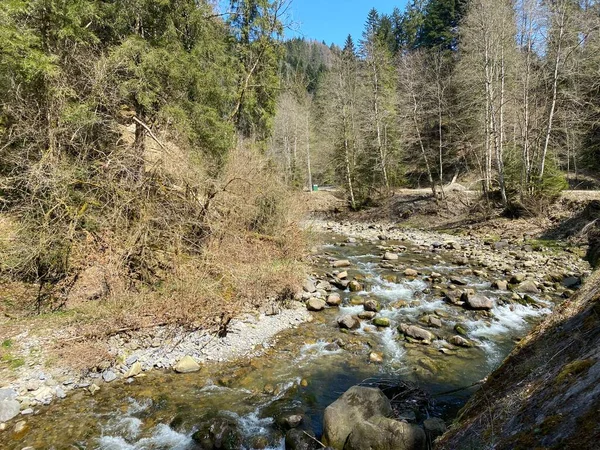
{"points": [[116, 122]]}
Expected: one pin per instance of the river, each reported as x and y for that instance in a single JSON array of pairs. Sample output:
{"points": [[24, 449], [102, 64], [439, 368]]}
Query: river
{"points": [[310, 366]]}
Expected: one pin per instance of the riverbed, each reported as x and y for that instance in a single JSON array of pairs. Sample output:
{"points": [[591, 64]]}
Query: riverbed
{"points": [[313, 363]]}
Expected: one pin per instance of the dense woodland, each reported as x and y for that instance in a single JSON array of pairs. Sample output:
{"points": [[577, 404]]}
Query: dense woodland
{"points": [[144, 132], [504, 95], [132, 138]]}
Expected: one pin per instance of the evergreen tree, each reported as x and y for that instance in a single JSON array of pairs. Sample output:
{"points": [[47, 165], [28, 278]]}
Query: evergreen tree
{"points": [[440, 24]]}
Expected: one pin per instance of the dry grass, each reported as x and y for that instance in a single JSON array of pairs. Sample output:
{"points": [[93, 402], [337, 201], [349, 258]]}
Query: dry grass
{"points": [[247, 248]]}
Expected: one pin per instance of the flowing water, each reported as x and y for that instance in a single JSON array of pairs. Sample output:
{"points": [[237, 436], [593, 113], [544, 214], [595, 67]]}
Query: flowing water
{"points": [[307, 370]]}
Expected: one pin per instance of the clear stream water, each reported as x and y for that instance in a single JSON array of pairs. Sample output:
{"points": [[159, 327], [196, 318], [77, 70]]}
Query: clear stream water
{"points": [[304, 372]]}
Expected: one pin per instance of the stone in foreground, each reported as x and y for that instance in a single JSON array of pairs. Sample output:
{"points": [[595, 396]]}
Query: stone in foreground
{"points": [[416, 333], [9, 409], [315, 304], [187, 364], [381, 433], [348, 322], [357, 404]]}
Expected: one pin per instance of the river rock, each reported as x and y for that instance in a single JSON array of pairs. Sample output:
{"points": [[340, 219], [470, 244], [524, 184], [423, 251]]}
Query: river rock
{"points": [[187, 364], [7, 394], [334, 299], [527, 287], [342, 275], [323, 286], [348, 322], [315, 304], [389, 256], [356, 405], [309, 286], [460, 329], [354, 286], [411, 273], [376, 357], [218, 433], [367, 315], [289, 422], [108, 376], [382, 322], [134, 370], [477, 302], [500, 284], [301, 440], [382, 433], [517, 278], [9, 409], [341, 263], [371, 305], [454, 296], [460, 341], [416, 332], [458, 281]]}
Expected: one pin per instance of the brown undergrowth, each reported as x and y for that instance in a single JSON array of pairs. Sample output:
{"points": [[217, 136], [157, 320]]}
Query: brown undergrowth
{"points": [[195, 251]]}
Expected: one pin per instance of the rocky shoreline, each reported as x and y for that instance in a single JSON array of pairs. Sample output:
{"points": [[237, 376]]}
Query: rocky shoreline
{"points": [[161, 348], [517, 254]]}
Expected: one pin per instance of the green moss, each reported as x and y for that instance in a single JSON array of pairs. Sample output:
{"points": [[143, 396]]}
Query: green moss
{"points": [[573, 369], [12, 362], [7, 343]]}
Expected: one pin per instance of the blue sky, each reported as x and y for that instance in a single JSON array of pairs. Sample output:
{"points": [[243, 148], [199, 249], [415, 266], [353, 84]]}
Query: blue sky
{"points": [[332, 20]]}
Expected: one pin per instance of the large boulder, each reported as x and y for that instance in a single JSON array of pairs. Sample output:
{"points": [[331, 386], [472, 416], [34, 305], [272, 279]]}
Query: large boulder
{"points": [[381, 433], [356, 405]]}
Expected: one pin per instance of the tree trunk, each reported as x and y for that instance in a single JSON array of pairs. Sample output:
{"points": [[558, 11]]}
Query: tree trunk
{"points": [[554, 91]]}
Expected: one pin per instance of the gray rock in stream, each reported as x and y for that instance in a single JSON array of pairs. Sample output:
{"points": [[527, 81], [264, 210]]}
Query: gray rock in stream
{"points": [[219, 433], [7, 394], [9, 409], [356, 405], [348, 322], [527, 287], [416, 332], [477, 302]]}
